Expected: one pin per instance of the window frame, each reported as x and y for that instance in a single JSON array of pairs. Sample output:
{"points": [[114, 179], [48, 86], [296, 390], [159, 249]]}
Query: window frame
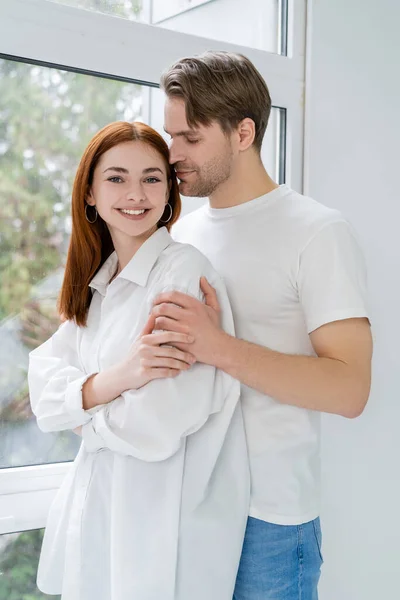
{"points": [[96, 44]]}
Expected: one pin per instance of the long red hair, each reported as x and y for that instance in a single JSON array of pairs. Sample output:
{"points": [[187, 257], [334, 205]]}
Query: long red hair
{"points": [[91, 244]]}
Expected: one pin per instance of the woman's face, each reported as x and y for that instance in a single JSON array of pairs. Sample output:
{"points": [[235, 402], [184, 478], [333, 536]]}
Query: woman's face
{"points": [[130, 190]]}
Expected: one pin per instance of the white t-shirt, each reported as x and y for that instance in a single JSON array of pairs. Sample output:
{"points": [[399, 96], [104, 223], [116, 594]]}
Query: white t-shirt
{"points": [[155, 498], [290, 265]]}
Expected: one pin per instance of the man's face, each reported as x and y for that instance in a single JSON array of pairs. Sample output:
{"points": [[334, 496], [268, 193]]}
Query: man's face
{"points": [[202, 156]]}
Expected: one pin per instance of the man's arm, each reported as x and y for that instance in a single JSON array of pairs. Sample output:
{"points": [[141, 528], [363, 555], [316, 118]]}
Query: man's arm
{"points": [[337, 380]]}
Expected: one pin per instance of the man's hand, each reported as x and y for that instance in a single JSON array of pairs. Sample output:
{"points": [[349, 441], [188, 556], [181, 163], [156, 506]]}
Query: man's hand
{"points": [[179, 312], [152, 356]]}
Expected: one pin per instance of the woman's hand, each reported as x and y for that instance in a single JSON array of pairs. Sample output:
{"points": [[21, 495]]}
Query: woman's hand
{"points": [[153, 356], [148, 358]]}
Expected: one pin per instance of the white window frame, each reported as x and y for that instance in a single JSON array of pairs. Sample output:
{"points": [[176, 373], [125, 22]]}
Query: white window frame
{"points": [[63, 36]]}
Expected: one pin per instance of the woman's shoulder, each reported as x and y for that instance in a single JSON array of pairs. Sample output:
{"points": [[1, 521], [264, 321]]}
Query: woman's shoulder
{"points": [[180, 267], [185, 258]]}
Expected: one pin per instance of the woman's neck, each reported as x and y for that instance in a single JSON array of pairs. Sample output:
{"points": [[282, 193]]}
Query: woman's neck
{"points": [[126, 247]]}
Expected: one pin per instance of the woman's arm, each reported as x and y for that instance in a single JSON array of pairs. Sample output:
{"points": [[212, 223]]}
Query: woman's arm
{"points": [[151, 422], [62, 394], [147, 359], [55, 379]]}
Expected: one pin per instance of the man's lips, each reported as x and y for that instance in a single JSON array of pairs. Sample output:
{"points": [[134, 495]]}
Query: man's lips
{"points": [[182, 174]]}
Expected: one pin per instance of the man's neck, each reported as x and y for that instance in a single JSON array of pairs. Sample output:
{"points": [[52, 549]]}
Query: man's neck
{"points": [[248, 181]]}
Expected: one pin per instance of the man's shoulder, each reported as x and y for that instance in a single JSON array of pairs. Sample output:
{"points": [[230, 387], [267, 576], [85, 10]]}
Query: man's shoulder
{"points": [[309, 211], [305, 217], [182, 229]]}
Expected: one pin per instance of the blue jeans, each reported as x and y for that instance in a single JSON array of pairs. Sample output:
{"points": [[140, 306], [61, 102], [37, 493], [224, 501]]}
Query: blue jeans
{"points": [[279, 562]]}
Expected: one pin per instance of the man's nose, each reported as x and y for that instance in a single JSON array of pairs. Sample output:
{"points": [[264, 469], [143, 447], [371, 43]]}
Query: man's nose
{"points": [[175, 152]]}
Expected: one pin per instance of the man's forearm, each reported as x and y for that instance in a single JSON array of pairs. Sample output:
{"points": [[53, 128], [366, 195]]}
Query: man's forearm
{"points": [[321, 384]]}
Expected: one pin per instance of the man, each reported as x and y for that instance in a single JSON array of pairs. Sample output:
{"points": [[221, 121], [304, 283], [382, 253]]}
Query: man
{"points": [[296, 280]]}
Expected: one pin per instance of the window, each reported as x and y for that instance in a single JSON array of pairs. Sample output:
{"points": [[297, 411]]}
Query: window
{"points": [[19, 557], [261, 25]]}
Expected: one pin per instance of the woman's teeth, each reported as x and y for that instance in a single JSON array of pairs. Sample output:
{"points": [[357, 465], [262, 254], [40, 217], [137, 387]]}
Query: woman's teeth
{"points": [[132, 212]]}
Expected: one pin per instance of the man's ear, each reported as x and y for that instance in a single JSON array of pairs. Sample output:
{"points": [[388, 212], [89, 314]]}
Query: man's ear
{"points": [[247, 133]]}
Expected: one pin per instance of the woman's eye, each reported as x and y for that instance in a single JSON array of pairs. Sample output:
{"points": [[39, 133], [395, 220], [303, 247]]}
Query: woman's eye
{"points": [[115, 179], [152, 180], [192, 141]]}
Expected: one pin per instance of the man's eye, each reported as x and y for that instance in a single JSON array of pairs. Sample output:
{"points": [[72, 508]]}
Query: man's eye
{"points": [[115, 179], [192, 141], [152, 180]]}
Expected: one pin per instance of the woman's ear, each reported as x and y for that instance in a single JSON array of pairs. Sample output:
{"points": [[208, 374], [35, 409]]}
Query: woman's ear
{"points": [[89, 198]]}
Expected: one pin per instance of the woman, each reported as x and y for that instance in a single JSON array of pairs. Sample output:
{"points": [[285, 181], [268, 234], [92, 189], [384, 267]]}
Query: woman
{"points": [[155, 504]]}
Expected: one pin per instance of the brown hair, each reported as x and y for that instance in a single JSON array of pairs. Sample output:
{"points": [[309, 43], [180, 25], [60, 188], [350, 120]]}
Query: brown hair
{"points": [[91, 243], [220, 86]]}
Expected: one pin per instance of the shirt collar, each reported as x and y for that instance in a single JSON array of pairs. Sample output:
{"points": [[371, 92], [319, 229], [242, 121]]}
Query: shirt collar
{"points": [[139, 267]]}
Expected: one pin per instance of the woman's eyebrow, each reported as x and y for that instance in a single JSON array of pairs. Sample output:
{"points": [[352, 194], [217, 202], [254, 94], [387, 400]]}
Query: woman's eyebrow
{"points": [[118, 169], [152, 170]]}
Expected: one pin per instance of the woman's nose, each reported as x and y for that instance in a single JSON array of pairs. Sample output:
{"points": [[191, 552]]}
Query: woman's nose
{"points": [[136, 193]]}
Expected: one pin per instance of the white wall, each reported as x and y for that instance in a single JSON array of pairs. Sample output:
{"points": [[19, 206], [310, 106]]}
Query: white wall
{"points": [[354, 163]]}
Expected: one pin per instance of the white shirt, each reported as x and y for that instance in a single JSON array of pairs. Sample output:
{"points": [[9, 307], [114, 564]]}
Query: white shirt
{"points": [[290, 265], [155, 504]]}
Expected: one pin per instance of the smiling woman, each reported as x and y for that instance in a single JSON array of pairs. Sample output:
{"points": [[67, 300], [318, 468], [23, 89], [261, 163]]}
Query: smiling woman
{"points": [[114, 177], [134, 191]]}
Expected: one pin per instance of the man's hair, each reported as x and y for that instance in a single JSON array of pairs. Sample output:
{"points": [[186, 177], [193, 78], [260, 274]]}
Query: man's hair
{"points": [[220, 86]]}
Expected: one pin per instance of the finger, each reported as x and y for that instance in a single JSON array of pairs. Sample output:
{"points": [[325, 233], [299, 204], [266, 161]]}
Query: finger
{"points": [[158, 373], [183, 347], [168, 324], [166, 309], [183, 300], [210, 294], [149, 326], [168, 352], [161, 362], [167, 337]]}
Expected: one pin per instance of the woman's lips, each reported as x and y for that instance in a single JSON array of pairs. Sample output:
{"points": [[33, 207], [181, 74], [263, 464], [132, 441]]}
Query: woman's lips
{"points": [[133, 217]]}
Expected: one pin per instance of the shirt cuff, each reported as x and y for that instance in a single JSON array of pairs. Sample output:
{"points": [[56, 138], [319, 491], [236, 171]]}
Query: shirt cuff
{"points": [[73, 399]]}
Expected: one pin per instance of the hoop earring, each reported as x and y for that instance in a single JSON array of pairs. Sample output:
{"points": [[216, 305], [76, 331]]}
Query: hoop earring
{"points": [[170, 215], [86, 214]]}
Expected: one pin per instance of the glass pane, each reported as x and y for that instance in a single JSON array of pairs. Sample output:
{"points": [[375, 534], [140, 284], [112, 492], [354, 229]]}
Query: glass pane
{"points": [[134, 10], [274, 145], [257, 23], [19, 557], [47, 116]]}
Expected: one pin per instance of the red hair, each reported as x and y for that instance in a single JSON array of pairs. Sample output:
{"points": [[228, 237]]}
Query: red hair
{"points": [[91, 243]]}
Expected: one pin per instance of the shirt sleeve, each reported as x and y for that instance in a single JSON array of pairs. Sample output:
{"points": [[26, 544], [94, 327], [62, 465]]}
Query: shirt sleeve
{"points": [[332, 281], [151, 423], [55, 379]]}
